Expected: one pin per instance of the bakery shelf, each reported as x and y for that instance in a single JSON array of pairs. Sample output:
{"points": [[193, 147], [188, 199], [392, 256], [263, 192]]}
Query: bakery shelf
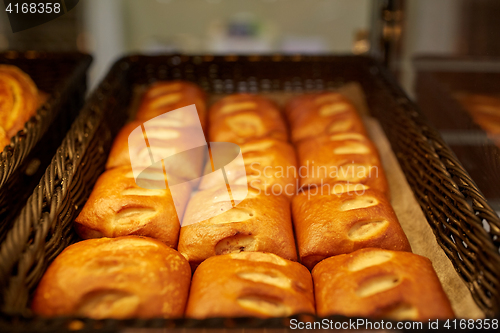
{"points": [[23, 162], [450, 200]]}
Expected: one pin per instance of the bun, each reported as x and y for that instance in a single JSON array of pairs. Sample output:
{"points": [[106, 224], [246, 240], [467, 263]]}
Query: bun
{"points": [[270, 165], [125, 277], [250, 284], [380, 284], [332, 144], [343, 157], [260, 223], [167, 136], [242, 117], [19, 101], [118, 207], [341, 218], [165, 96], [326, 113]]}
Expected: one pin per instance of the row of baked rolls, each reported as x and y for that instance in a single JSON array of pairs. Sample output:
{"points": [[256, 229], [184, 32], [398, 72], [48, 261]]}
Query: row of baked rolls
{"points": [[139, 277], [262, 221], [342, 204], [331, 141], [119, 205], [19, 100], [370, 283], [256, 125]]}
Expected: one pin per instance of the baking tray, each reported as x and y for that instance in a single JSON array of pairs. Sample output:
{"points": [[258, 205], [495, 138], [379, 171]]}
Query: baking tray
{"points": [[23, 162], [438, 79], [452, 204]]}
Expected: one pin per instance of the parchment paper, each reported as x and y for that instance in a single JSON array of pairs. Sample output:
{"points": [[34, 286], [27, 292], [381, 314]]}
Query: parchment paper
{"points": [[418, 230], [410, 215]]}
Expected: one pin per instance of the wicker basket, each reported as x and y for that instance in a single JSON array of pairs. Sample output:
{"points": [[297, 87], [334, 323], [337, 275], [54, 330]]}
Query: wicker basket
{"points": [[23, 162], [454, 207]]}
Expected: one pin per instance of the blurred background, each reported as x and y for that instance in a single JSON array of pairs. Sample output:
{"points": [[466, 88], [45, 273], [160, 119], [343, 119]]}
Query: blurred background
{"points": [[444, 53], [110, 28]]}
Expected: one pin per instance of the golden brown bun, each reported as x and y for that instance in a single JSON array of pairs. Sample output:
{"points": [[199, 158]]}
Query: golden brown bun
{"points": [[242, 117], [259, 223], [380, 284], [172, 139], [333, 220], [19, 101], [118, 207], [271, 166], [342, 157], [164, 96], [250, 284], [125, 277], [324, 113]]}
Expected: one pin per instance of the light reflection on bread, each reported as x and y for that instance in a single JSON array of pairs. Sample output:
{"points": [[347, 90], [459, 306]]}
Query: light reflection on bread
{"points": [[166, 100], [358, 203], [352, 148], [332, 109], [273, 278], [367, 230], [230, 108], [264, 306], [368, 259], [340, 126], [260, 257], [377, 285]]}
